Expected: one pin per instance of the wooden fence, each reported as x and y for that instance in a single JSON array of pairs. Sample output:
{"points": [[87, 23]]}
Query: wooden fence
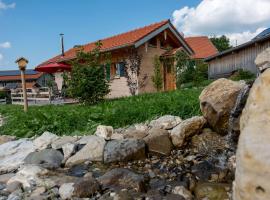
{"points": [[40, 96]]}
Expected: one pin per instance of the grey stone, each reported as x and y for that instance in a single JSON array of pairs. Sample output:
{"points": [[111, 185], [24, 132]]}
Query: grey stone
{"points": [[45, 140], [124, 150], [47, 158], [123, 178], [13, 153], [166, 122], [60, 142], [158, 141], [92, 151]]}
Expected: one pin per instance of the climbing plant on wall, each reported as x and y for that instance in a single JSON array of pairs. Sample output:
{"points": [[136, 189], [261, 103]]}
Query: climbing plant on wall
{"points": [[132, 66]]}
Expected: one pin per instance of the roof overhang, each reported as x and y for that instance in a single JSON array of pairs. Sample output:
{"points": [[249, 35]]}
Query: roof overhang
{"points": [[237, 48], [160, 30]]}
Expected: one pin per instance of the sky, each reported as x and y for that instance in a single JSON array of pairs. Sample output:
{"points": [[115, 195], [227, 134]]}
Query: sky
{"points": [[31, 28]]}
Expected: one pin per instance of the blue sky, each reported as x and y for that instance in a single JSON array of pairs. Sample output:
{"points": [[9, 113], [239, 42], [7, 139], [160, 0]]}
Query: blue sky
{"points": [[31, 28]]}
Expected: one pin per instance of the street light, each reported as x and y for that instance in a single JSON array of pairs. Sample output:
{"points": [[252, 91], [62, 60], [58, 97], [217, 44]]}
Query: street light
{"points": [[22, 62]]}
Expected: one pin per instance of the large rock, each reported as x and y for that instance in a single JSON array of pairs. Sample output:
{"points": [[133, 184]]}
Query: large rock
{"points": [[253, 153], [124, 150], [45, 140], [12, 154], [123, 178], [217, 101], [135, 134], [104, 132], [186, 129], [92, 151], [166, 122], [29, 176], [6, 138], [83, 188], [60, 142], [263, 60], [208, 143], [158, 141], [47, 158], [212, 191]]}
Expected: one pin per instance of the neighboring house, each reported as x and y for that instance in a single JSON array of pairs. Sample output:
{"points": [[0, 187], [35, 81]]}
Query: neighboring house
{"points": [[11, 79], [243, 56], [138, 46]]}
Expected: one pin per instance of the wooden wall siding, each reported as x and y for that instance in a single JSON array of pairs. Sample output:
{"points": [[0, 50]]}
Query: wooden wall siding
{"points": [[243, 59]]}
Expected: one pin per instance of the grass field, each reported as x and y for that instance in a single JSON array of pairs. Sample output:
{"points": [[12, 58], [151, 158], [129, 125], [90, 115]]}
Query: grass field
{"points": [[80, 119]]}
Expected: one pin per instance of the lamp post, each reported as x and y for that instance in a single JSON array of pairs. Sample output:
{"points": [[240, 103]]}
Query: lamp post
{"points": [[22, 62]]}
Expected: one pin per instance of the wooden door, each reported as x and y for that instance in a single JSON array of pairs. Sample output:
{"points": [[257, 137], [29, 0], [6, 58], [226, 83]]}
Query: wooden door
{"points": [[169, 76]]}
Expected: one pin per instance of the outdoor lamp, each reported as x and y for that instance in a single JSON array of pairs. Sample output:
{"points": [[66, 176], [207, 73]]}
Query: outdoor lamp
{"points": [[22, 62]]}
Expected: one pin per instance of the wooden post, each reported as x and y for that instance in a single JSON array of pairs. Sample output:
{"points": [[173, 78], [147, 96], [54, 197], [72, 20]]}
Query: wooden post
{"points": [[25, 102]]}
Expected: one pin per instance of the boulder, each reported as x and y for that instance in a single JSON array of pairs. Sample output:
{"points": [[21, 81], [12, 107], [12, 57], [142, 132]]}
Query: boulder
{"points": [[208, 143], [45, 140], [6, 138], [253, 152], [212, 191], [47, 158], [262, 61], [85, 187], [92, 151], [135, 134], [66, 190], [104, 132], [68, 150], [123, 178], [29, 176], [61, 141], [158, 141], [216, 102], [182, 191], [12, 154], [124, 150], [166, 122], [186, 129]]}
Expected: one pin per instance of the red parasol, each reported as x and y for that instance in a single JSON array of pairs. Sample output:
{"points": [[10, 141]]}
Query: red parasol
{"points": [[53, 67]]}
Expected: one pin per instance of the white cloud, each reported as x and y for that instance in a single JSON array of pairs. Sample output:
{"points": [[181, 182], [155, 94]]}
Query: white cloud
{"points": [[4, 6], [238, 19], [1, 57], [5, 45]]}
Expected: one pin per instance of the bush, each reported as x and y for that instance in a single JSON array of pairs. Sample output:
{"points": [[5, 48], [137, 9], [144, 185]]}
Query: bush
{"points": [[87, 82], [242, 75], [157, 78], [190, 70]]}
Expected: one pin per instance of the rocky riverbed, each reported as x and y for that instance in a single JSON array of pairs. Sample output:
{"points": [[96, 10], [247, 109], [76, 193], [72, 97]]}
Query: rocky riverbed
{"points": [[167, 158]]}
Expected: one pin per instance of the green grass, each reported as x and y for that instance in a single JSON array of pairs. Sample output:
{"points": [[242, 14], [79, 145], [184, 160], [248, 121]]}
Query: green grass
{"points": [[80, 119]]}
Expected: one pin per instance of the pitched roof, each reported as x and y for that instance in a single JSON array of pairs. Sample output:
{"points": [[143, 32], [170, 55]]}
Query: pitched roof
{"points": [[114, 42], [263, 37], [202, 47], [13, 75]]}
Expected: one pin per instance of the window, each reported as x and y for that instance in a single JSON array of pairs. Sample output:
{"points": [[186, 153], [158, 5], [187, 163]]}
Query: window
{"points": [[120, 69]]}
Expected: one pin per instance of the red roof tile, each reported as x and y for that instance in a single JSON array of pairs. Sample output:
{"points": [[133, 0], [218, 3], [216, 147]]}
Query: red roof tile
{"points": [[124, 39], [202, 46]]}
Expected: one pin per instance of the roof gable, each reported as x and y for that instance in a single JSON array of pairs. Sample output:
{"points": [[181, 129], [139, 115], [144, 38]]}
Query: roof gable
{"points": [[202, 47], [132, 38]]}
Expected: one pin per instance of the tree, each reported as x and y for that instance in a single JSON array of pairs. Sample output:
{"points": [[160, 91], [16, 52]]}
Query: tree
{"points": [[87, 82], [221, 43], [157, 78]]}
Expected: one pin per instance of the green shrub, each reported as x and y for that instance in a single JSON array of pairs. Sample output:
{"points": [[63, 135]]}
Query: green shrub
{"points": [[242, 75], [190, 70], [87, 82], [157, 78]]}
